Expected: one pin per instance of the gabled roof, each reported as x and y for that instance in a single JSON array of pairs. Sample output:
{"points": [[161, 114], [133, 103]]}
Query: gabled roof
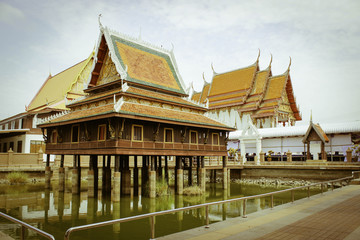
{"points": [[318, 130], [54, 90], [138, 62]]}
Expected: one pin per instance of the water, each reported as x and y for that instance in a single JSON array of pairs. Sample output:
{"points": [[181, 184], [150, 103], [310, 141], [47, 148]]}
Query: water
{"points": [[55, 212]]}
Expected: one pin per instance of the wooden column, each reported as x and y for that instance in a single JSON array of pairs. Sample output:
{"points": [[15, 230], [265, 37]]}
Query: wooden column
{"points": [[125, 176], [198, 167], [180, 178], [202, 175], [75, 181], [92, 176], [225, 172], [159, 170], [166, 170], [152, 178], [144, 173], [308, 156], [190, 177]]}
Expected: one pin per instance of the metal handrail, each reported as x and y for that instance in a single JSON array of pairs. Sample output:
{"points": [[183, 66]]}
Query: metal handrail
{"points": [[206, 205], [25, 226]]}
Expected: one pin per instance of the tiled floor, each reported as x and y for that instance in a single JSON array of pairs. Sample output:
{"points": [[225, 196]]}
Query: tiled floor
{"points": [[333, 215]]}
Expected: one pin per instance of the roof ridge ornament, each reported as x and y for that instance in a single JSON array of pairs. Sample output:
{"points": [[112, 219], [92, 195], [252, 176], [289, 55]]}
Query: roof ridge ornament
{"points": [[100, 25], [257, 60], [289, 65], [270, 60], [203, 75], [212, 67]]}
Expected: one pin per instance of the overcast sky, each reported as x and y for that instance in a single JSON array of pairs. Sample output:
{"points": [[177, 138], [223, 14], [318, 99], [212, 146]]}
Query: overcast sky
{"points": [[322, 38]]}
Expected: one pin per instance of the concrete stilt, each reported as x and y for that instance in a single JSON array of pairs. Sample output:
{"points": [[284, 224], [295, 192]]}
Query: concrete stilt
{"points": [[61, 179], [152, 184], [75, 181], [225, 178], [180, 182], [203, 179], [91, 185], [116, 188]]}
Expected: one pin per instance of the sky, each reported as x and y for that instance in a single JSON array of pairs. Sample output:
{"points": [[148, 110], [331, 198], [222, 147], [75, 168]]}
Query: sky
{"points": [[321, 37]]}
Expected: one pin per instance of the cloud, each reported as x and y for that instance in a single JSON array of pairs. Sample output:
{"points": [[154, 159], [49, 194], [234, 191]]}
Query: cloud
{"points": [[10, 14]]}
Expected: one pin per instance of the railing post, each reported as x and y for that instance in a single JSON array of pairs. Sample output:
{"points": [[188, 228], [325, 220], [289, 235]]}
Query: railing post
{"points": [[207, 216], [152, 223], [292, 196], [23, 232], [272, 201], [244, 209]]}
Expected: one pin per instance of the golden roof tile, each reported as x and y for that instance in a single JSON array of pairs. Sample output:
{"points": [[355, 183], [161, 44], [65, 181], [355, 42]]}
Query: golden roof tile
{"points": [[275, 87]]}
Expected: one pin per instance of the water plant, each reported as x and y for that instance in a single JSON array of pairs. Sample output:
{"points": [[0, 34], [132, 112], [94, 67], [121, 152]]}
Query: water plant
{"points": [[17, 177], [162, 188], [192, 191]]}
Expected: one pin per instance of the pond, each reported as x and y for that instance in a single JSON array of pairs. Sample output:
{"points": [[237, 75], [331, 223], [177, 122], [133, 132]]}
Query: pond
{"points": [[55, 212]]}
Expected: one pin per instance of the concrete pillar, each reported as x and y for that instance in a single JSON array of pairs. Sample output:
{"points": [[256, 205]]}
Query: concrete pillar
{"points": [[262, 157], [152, 184], [61, 179], [225, 178], [258, 150], [180, 181], [116, 188], [243, 152], [203, 179], [91, 185], [75, 181], [289, 156], [349, 155]]}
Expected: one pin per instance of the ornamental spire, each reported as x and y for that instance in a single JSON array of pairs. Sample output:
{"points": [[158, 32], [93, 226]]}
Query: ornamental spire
{"points": [[212, 67], [257, 60], [289, 65], [100, 25]]}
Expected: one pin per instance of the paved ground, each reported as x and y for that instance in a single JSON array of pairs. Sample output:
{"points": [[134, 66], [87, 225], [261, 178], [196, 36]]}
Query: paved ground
{"points": [[333, 215]]}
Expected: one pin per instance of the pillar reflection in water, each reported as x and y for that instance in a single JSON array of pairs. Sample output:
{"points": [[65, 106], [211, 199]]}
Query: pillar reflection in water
{"points": [[225, 206], [91, 209], [61, 199], [116, 215], [47, 205], [179, 203], [75, 207]]}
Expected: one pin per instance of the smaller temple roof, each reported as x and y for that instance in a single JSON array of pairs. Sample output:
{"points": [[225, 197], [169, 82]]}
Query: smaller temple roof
{"points": [[318, 130]]}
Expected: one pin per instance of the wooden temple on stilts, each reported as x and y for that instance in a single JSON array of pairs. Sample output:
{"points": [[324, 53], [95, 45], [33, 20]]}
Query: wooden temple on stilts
{"points": [[135, 107]]}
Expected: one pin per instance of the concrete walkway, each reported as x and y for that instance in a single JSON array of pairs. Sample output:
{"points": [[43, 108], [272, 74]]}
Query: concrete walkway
{"points": [[333, 215]]}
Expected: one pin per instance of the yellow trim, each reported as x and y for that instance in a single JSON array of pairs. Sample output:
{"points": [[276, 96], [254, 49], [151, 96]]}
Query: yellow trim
{"points": [[172, 135], [132, 133], [218, 139], [99, 126], [72, 128], [197, 137]]}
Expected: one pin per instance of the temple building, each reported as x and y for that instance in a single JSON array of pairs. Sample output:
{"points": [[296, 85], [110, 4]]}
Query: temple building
{"points": [[20, 132], [236, 96], [135, 105]]}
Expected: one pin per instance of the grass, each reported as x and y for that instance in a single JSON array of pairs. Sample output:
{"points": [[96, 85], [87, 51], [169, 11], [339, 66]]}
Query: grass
{"points": [[17, 177], [162, 188], [192, 191]]}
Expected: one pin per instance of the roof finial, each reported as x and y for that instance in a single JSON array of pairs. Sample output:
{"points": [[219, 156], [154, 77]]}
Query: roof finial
{"points": [[100, 25], [289, 65], [311, 116], [203, 75], [257, 60], [212, 67], [270, 60]]}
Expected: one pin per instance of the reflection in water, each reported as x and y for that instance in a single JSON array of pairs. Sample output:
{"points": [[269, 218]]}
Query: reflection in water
{"points": [[55, 212]]}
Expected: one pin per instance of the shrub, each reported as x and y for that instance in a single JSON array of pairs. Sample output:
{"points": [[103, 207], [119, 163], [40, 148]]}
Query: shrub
{"points": [[17, 177], [192, 191], [162, 188]]}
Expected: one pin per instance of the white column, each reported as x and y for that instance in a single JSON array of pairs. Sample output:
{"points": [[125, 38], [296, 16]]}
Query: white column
{"points": [[258, 150], [243, 151]]}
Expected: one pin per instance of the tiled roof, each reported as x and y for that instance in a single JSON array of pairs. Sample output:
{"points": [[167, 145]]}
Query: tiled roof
{"points": [[275, 87], [196, 97], [240, 79], [146, 65], [168, 114], [260, 81], [204, 93], [55, 87]]}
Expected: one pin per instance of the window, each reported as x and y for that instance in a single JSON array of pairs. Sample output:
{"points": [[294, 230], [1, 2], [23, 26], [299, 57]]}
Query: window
{"points": [[54, 136], [11, 146], [193, 137], [75, 133], [102, 132], [5, 147], [137, 133], [215, 139], [169, 135], [36, 145], [19, 146], [6, 126], [21, 126], [12, 124]]}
